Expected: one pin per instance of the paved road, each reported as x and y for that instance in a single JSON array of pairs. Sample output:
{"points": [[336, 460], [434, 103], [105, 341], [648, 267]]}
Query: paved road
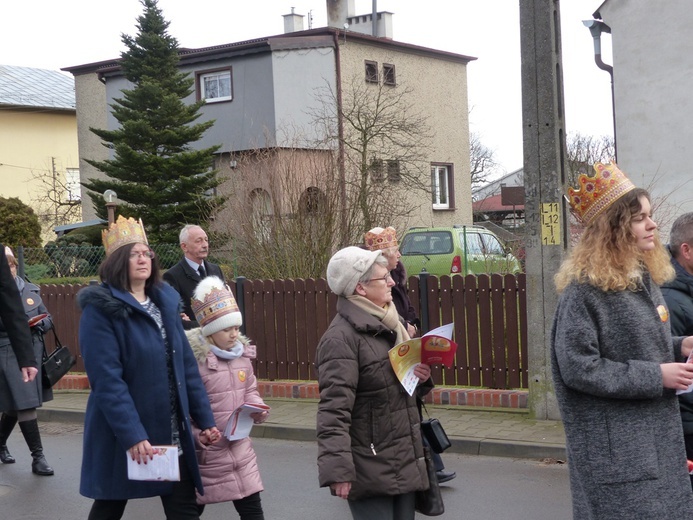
{"points": [[486, 487]]}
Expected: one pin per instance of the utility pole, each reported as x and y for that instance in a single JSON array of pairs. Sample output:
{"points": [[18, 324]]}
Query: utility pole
{"points": [[544, 172]]}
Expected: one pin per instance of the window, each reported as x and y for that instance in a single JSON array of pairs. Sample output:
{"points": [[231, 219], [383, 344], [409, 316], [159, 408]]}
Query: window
{"points": [[72, 186], [380, 169], [214, 85], [377, 169], [371, 71], [442, 186], [389, 74], [471, 242], [313, 201], [492, 245], [393, 173]]}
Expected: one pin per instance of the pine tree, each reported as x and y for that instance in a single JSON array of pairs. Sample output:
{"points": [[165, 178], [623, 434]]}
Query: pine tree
{"points": [[157, 175]]}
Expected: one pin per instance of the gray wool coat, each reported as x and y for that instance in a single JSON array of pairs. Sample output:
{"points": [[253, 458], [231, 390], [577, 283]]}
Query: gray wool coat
{"points": [[623, 429]]}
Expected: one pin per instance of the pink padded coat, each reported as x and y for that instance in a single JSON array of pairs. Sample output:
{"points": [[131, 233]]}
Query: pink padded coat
{"points": [[229, 468]]}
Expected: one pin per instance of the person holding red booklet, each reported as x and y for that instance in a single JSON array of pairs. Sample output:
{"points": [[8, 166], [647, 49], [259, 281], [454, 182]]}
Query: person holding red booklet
{"points": [[369, 442], [19, 399]]}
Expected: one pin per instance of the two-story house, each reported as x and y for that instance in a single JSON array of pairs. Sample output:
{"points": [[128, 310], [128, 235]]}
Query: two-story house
{"points": [[264, 95], [39, 161]]}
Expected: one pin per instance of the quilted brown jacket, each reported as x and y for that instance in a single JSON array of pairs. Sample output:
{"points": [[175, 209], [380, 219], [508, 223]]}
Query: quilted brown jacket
{"points": [[367, 425]]}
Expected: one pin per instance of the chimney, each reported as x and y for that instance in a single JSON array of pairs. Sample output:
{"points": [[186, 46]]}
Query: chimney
{"points": [[293, 22], [341, 14], [338, 11]]}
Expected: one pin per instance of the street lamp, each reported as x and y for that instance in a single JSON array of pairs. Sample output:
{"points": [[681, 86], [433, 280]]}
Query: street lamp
{"points": [[110, 197]]}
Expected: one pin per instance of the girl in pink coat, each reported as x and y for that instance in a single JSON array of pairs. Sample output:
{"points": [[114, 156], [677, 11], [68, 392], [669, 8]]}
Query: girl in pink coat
{"points": [[229, 468]]}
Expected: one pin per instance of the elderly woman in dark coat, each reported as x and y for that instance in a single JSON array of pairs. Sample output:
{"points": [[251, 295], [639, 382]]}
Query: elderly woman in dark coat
{"points": [[19, 399], [145, 386], [614, 361], [369, 444]]}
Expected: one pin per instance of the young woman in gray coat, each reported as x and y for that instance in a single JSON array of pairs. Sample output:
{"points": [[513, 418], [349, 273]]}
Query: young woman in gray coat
{"points": [[614, 362]]}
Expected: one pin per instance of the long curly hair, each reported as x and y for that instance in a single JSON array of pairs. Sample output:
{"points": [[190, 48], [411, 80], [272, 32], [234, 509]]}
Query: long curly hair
{"points": [[607, 255]]}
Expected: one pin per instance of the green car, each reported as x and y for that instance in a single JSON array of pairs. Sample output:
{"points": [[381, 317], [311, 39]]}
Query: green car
{"points": [[455, 250]]}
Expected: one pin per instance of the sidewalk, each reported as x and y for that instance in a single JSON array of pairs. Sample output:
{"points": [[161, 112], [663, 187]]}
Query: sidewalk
{"points": [[472, 431]]}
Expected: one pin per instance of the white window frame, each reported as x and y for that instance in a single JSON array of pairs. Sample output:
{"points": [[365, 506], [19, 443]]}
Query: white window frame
{"points": [[440, 178], [73, 188], [215, 75]]}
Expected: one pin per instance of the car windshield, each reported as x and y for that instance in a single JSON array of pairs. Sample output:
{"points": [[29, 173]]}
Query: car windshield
{"points": [[427, 243]]}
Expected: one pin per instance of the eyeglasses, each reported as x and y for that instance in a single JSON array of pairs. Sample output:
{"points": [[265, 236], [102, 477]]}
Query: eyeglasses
{"points": [[384, 278], [139, 254]]}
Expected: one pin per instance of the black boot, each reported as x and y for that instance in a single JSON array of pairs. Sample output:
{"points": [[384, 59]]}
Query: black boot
{"points": [[30, 430], [7, 423]]}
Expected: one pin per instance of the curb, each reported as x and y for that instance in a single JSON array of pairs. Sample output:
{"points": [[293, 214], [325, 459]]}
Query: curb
{"points": [[60, 415], [462, 445]]}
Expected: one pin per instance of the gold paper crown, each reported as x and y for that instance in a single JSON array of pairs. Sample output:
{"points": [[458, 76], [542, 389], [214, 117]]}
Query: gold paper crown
{"points": [[122, 232], [379, 238], [217, 303], [595, 194]]}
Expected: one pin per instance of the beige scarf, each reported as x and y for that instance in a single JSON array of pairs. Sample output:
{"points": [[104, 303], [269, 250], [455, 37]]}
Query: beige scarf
{"points": [[387, 315]]}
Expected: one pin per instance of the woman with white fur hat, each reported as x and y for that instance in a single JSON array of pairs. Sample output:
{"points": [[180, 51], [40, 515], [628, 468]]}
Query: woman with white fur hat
{"points": [[229, 468], [369, 441]]}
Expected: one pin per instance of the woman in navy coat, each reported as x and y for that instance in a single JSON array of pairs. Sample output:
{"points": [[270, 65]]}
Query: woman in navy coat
{"points": [[145, 385]]}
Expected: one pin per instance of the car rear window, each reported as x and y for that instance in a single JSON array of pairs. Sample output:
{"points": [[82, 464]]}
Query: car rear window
{"points": [[426, 243]]}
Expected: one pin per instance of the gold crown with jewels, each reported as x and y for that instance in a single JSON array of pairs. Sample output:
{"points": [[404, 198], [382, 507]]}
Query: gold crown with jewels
{"points": [[379, 238], [122, 232], [595, 194]]}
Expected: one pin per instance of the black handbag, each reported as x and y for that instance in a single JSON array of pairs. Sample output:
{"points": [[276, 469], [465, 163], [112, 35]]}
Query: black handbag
{"points": [[430, 501], [432, 430], [57, 364], [435, 435]]}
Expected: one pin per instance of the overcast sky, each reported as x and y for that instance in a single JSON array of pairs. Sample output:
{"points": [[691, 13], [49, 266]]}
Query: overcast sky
{"points": [[53, 34]]}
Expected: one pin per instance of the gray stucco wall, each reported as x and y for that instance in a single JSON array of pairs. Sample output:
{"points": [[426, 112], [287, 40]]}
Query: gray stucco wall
{"points": [[243, 123], [299, 76], [653, 64], [90, 96]]}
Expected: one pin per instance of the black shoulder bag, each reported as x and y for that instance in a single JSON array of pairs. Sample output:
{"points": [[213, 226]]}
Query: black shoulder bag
{"points": [[433, 431], [57, 364]]}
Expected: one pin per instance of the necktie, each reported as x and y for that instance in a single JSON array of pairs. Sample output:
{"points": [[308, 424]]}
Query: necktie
{"points": [[201, 270]]}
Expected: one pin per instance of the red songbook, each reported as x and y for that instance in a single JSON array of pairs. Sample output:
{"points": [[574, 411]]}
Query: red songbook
{"points": [[33, 321], [437, 347]]}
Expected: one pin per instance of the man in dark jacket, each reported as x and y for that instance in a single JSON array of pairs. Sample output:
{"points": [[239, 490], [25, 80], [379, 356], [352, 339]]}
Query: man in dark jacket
{"points": [[679, 297], [15, 320], [186, 274]]}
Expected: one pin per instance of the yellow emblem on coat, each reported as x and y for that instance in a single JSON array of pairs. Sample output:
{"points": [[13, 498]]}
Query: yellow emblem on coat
{"points": [[663, 313], [241, 376], [29, 301]]}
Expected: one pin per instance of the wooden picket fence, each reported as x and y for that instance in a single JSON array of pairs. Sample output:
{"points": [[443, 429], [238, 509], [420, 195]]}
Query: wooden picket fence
{"points": [[286, 319]]}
